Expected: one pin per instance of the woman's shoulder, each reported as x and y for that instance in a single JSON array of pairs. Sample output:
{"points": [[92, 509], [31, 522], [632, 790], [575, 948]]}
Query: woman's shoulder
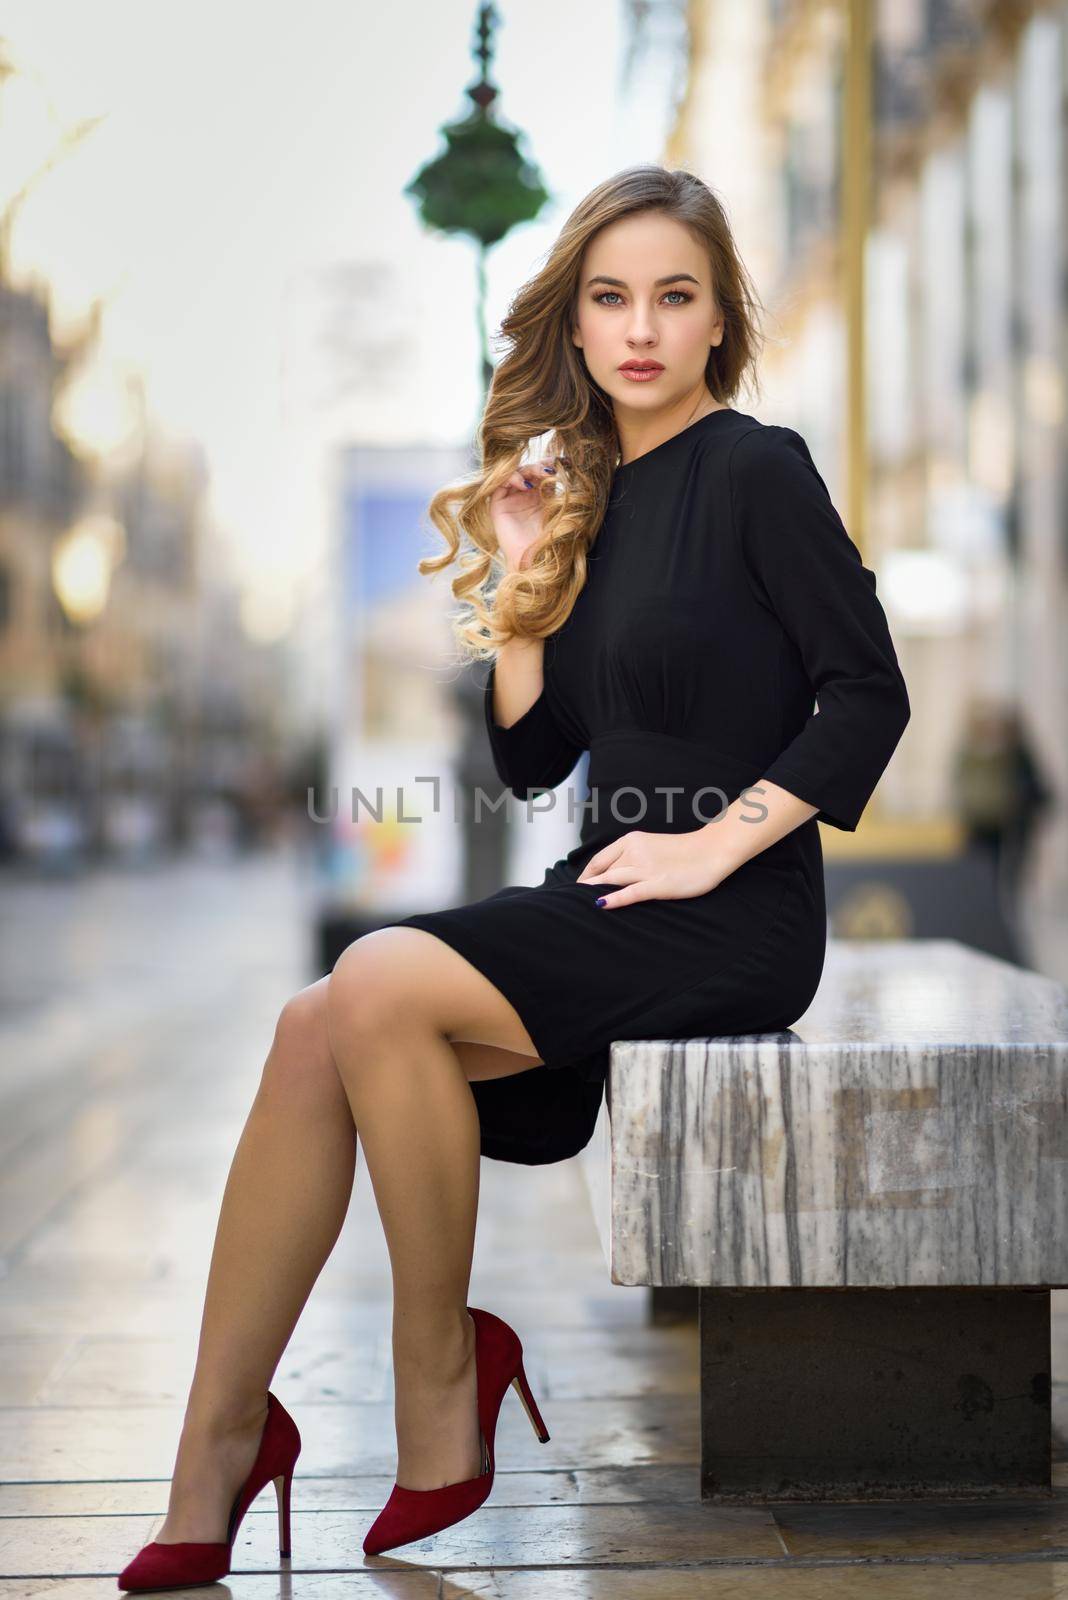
{"points": [[748, 449], [766, 460], [756, 444]]}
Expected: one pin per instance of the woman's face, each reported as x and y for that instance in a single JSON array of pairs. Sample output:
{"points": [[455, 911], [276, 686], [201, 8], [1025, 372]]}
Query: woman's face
{"points": [[645, 294]]}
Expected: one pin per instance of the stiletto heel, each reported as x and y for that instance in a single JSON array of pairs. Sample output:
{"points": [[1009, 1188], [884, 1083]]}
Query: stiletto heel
{"points": [[522, 1389], [416, 1513], [282, 1485], [186, 1565]]}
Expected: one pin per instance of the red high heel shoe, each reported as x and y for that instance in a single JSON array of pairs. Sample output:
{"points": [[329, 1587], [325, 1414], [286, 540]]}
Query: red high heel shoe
{"points": [[416, 1513], [183, 1566]]}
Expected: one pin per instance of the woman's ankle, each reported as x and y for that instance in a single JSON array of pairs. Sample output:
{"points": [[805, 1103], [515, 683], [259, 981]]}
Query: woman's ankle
{"points": [[222, 1417], [445, 1354]]}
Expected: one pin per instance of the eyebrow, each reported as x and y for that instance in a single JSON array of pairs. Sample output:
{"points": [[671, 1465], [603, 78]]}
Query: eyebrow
{"points": [[618, 283]]}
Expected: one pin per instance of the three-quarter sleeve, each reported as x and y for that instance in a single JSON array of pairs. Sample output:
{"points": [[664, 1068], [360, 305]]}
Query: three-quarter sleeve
{"points": [[805, 567], [534, 753]]}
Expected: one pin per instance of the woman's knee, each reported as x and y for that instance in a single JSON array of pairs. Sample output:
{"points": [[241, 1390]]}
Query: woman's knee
{"points": [[371, 989], [301, 1059]]}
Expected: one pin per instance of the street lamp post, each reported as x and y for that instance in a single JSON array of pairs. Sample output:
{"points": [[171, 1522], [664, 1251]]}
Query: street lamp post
{"points": [[481, 186]]}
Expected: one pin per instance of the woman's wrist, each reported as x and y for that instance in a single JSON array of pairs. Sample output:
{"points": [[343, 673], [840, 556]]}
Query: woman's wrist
{"points": [[736, 836]]}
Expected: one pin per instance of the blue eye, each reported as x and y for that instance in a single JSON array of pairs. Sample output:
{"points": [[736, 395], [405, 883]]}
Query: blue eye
{"points": [[600, 298]]}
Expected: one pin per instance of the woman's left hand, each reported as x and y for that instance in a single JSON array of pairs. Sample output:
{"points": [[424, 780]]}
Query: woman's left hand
{"points": [[656, 866]]}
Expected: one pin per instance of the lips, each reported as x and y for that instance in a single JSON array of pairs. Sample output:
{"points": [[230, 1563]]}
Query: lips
{"points": [[641, 366]]}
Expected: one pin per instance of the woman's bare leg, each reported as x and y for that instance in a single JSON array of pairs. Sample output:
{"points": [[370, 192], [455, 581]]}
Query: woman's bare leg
{"points": [[284, 1204], [397, 998], [285, 1201]]}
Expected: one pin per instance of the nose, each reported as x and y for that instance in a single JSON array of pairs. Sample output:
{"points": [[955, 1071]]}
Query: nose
{"points": [[641, 329]]}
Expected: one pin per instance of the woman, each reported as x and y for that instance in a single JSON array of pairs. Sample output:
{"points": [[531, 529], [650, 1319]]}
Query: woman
{"points": [[668, 589]]}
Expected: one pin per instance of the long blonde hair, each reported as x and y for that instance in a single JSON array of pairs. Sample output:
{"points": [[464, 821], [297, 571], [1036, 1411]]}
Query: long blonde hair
{"points": [[542, 386]]}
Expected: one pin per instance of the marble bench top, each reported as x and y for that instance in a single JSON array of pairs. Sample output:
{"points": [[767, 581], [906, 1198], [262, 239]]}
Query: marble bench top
{"points": [[911, 1129]]}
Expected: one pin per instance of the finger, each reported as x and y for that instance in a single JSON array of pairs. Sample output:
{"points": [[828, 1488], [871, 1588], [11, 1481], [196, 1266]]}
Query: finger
{"points": [[602, 859], [531, 473], [625, 897], [609, 873], [522, 480], [512, 485]]}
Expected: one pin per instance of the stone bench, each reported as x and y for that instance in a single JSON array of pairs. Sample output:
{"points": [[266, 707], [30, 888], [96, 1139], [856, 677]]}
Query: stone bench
{"points": [[874, 1207]]}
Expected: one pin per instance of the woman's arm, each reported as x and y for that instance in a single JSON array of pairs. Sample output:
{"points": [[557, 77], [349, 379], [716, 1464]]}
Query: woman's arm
{"points": [[804, 566], [529, 749], [518, 679]]}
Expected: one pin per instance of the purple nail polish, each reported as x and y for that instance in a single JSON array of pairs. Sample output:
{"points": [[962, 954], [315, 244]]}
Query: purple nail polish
{"points": [[529, 483], [601, 901]]}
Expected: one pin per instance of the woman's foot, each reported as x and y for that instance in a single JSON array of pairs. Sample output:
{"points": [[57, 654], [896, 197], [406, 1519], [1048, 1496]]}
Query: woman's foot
{"points": [[215, 1456], [439, 1435]]}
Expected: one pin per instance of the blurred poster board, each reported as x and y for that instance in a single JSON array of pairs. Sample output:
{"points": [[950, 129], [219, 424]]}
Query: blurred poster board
{"points": [[395, 840]]}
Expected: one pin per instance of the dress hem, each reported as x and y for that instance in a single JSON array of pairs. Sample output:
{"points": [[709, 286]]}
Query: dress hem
{"points": [[460, 938], [520, 998]]}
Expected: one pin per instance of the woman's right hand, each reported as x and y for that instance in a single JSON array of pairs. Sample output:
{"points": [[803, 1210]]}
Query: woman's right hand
{"points": [[517, 510]]}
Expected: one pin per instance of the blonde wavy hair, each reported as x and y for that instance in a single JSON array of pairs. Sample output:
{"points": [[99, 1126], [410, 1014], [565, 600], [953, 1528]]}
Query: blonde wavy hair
{"points": [[541, 385]]}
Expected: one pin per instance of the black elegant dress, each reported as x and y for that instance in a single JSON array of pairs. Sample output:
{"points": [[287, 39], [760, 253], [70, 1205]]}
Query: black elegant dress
{"points": [[723, 596]]}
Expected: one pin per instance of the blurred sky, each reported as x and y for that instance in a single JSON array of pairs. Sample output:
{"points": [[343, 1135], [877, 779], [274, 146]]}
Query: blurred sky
{"points": [[252, 157]]}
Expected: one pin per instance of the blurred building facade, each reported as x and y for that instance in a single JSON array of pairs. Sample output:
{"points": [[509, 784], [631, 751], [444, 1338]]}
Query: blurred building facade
{"points": [[895, 178], [130, 697]]}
